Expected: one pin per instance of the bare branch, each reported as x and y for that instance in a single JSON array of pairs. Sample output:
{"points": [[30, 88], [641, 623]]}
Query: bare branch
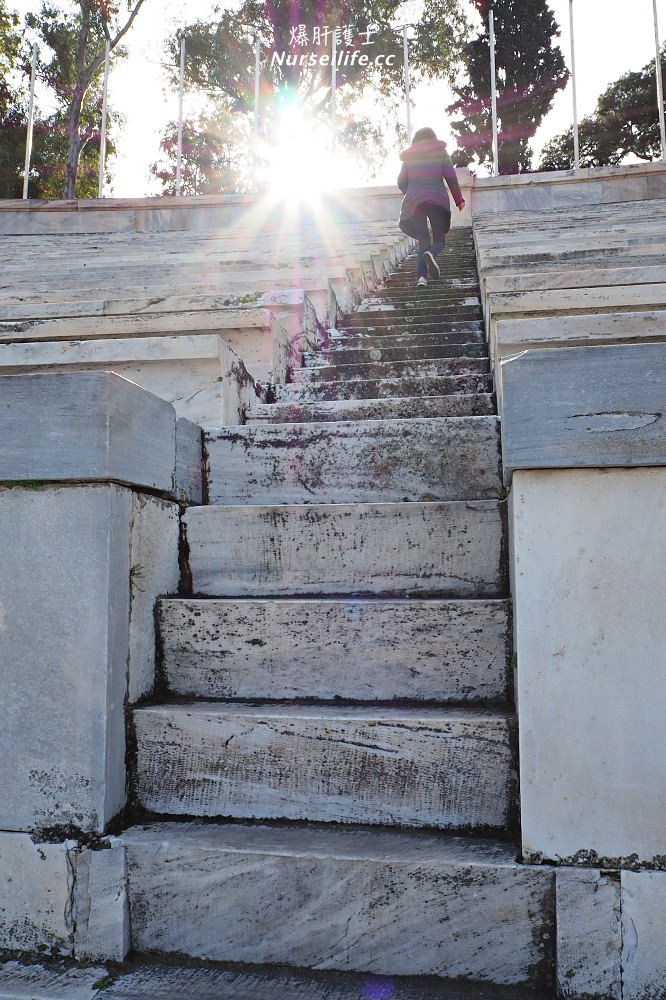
{"points": [[96, 64], [123, 31]]}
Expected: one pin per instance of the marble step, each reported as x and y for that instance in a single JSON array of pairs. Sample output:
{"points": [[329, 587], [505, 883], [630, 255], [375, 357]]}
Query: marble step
{"points": [[424, 368], [381, 388], [137, 980], [452, 549], [473, 333], [466, 331], [409, 318], [445, 290], [377, 901], [357, 650], [415, 310], [455, 405], [411, 352], [379, 461], [446, 768]]}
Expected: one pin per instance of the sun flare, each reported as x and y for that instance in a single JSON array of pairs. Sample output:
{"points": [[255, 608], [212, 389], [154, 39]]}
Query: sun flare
{"points": [[301, 165]]}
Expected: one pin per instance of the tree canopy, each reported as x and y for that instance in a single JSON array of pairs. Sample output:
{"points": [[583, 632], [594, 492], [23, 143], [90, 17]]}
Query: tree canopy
{"points": [[10, 42], [625, 124], [530, 71], [296, 43], [76, 33]]}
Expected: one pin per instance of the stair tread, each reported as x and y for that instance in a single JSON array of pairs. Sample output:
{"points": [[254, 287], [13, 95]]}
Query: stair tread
{"points": [[440, 768], [435, 651], [327, 712], [382, 388], [141, 981], [399, 407], [287, 839]]}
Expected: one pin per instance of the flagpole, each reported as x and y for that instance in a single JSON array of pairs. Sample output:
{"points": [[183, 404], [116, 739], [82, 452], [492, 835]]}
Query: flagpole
{"points": [[31, 120], [257, 82], [181, 90], [493, 88], [573, 83], [405, 45], [102, 145], [660, 88]]}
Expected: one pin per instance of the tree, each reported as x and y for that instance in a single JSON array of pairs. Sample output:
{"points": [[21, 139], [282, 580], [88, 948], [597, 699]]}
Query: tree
{"points": [[530, 71], [211, 162], [295, 41], [625, 123], [77, 37], [9, 54], [49, 155]]}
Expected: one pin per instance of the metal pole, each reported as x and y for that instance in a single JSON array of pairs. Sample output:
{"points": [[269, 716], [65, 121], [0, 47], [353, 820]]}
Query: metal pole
{"points": [[31, 118], [257, 83], [573, 83], [405, 45], [493, 90], [102, 145], [660, 88], [179, 152], [334, 77]]}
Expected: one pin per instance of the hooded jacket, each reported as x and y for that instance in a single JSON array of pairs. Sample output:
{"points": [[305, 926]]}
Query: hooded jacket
{"points": [[425, 166]]}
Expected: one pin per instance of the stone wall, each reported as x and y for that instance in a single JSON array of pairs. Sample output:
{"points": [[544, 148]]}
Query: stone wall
{"points": [[93, 471], [573, 271]]}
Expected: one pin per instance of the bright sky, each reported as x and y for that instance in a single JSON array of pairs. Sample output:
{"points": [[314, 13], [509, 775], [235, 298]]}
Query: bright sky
{"points": [[611, 38]]}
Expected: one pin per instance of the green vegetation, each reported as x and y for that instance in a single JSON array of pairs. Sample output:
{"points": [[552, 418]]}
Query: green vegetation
{"points": [[625, 123], [530, 71]]}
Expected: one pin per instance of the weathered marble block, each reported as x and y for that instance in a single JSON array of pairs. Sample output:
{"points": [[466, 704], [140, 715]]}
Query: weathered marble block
{"points": [[643, 922], [39, 982], [154, 534], [446, 768], [589, 934], [102, 911], [92, 426], [62, 899], [36, 882], [589, 596], [375, 461], [65, 603], [510, 336], [203, 379], [82, 567], [448, 549], [362, 650], [376, 901], [596, 407]]}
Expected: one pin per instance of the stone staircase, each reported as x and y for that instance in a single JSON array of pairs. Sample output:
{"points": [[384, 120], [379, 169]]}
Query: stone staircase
{"points": [[328, 780]]}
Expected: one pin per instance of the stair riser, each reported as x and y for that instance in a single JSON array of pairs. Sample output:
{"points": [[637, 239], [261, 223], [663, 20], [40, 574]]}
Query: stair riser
{"points": [[393, 369], [437, 290], [386, 388], [365, 339], [413, 352], [411, 317], [450, 329], [364, 462], [490, 921], [457, 405], [441, 651], [448, 550], [451, 773]]}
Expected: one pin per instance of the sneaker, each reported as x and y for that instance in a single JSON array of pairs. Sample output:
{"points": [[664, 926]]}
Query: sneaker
{"points": [[421, 283], [431, 264]]}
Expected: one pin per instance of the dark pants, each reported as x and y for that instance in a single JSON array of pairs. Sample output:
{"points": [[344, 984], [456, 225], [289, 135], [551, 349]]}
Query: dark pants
{"points": [[417, 228]]}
